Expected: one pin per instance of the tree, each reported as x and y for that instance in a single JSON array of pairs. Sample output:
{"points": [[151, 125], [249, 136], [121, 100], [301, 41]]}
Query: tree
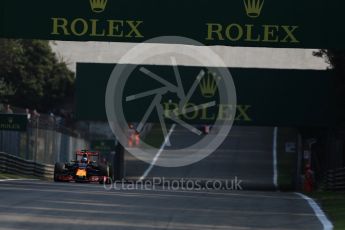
{"points": [[6, 89], [336, 59], [32, 76]]}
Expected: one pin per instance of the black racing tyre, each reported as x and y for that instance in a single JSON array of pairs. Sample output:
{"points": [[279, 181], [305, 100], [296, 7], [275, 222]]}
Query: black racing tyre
{"points": [[106, 181], [59, 168], [111, 171], [104, 170]]}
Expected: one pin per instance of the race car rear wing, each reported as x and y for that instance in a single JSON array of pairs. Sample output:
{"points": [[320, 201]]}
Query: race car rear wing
{"points": [[87, 152]]}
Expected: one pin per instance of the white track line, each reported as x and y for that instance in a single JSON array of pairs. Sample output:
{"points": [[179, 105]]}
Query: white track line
{"points": [[275, 169], [166, 141], [327, 225], [3, 180]]}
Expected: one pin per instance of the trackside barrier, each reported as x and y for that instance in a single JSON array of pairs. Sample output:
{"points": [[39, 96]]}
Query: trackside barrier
{"points": [[335, 180], [16, 165]]}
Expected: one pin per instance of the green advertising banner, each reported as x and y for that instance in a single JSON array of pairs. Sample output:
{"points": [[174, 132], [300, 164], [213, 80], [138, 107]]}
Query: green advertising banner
{"points": [[13, 122], [264, 96], [252, 23]]}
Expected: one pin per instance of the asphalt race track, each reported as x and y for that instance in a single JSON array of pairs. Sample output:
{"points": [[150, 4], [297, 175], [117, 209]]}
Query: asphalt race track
{"points": [[47, 205], [246, 155]]}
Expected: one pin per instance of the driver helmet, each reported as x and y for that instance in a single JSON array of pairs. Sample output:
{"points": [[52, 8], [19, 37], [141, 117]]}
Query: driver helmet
{"points": [[84, 158]]}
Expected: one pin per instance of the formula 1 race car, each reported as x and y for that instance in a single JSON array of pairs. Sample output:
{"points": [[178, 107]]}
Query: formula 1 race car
{"points": [[85, 168]]}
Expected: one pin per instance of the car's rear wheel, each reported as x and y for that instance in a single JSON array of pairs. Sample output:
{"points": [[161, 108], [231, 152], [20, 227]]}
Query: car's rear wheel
{"points": [[104, 172]]}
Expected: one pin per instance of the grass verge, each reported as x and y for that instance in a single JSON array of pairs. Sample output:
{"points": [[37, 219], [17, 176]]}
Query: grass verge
{"points": [[333, 204]]}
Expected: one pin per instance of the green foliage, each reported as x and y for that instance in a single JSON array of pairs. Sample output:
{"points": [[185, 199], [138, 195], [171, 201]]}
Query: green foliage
{"points": [[32, 76], [333, 203], [6, 89], [336, 59]]}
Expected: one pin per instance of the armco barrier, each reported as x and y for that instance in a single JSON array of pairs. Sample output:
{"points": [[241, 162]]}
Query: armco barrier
{"points": [[17, 165], [335, 180]]}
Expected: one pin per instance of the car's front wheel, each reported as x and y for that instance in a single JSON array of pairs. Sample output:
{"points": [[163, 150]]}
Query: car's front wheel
{"points": [[59, 169]]}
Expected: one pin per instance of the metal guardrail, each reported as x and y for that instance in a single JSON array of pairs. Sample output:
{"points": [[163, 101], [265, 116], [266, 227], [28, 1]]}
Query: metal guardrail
{"points": [[17, 165], [335, 180]]}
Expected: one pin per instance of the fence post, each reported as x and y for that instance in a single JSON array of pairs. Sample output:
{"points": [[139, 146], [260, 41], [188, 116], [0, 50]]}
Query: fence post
{"points": [[118, 163], [27, 141], [298, 184], [36, 140]]}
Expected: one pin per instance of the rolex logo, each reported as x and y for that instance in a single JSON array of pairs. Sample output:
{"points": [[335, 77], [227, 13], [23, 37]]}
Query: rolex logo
{"points": [[98, 6], [209, 85], [253, 7]]}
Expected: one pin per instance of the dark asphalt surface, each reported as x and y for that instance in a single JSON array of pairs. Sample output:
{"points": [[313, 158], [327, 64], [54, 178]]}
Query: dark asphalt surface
{"points": [[47, 205], [247, 153]]}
